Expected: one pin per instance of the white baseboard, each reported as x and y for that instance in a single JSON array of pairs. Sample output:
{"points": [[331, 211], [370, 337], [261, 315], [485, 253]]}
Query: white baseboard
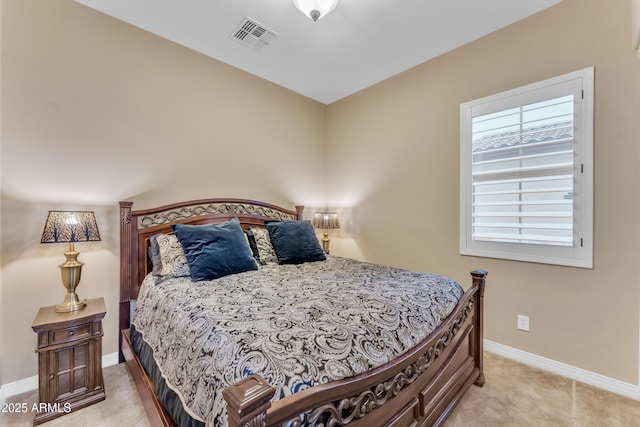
{"points": [[109, 359], [606, 383], [17, 387], [31, 383]]}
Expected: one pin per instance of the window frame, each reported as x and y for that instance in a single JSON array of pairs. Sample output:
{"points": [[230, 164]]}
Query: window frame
{"points": [[580, 254]]}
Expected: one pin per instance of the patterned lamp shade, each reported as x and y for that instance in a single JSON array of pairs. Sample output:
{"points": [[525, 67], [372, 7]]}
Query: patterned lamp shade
{"points": [[326, 220], [66, 227]]}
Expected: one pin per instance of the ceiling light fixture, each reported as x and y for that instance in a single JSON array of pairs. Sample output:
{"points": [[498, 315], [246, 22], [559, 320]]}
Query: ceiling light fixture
{"points": [[315, 9]]}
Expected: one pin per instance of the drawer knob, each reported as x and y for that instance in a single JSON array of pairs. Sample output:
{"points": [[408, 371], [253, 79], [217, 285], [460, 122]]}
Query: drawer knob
{"points": [[71, 333], [51, 377]]}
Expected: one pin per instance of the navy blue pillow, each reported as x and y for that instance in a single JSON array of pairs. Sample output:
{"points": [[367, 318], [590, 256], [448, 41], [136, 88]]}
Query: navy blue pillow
{"points": [[295, 242], [215, 250]]}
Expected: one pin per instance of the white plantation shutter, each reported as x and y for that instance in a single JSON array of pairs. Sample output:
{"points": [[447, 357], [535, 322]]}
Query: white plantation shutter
{"points": [[524, 191], [522, 174]]}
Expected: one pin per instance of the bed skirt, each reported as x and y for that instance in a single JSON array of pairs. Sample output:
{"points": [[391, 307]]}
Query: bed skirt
{"points": [[168, 397]]}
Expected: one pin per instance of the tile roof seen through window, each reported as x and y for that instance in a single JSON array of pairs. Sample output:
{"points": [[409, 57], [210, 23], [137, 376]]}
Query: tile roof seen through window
{"points": [[553, 131]]}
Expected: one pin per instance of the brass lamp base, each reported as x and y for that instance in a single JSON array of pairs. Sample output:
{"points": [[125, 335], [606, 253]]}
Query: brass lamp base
{"points": [[71, 303], [325, 241], [71, 271]]}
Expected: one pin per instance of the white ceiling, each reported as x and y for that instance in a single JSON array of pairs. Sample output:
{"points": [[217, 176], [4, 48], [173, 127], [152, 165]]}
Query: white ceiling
{"points": [[357, 45]]}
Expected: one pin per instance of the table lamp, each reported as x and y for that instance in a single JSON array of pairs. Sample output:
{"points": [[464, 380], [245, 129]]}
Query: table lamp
{"points": [[326, 221], [70, 227]]}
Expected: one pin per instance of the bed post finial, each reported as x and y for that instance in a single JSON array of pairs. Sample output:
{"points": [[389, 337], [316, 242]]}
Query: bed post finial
{"points": [[299, 210], [248, 401], [479, 278]]}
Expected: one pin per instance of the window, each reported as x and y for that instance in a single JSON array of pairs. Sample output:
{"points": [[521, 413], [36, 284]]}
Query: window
{"points": [[526, 185]]}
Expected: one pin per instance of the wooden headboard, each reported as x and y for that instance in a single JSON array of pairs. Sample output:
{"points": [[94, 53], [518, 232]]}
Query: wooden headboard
{"points": [[136, 227]]}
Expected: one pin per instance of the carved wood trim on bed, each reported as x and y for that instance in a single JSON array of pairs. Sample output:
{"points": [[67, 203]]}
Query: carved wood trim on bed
{"points": [[419, 388]]}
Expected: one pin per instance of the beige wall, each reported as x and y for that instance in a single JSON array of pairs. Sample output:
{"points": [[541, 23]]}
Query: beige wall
{"points": [[95, 111], [393, 152]]}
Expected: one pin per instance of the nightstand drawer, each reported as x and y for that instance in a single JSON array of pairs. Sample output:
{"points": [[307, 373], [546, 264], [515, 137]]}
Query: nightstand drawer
{"points": [[58, 336]]}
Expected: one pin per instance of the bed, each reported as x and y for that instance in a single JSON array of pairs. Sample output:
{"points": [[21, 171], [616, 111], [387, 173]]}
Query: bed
{"points": [[415, 377]]}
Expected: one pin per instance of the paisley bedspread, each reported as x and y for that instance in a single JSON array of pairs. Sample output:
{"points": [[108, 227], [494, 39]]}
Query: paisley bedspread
{"points": [[296, 325]]}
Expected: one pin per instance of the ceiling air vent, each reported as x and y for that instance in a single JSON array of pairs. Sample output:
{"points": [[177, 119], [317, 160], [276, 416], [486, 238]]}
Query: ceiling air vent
{"points": [[253, 34]]}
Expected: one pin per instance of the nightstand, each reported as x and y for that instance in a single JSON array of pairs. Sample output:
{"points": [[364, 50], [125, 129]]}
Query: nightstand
{"points": [[69, 359]]}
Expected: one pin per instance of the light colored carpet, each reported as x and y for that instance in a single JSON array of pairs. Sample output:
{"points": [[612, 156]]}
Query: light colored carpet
{"points": [[514, 395], [121, 408]]}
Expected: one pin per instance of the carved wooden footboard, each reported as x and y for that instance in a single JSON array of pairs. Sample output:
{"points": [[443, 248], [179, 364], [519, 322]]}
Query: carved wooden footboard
{"points": [[419, 388]]}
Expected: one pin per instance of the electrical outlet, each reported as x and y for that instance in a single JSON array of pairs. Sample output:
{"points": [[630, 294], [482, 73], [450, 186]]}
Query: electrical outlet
{"points": [[523, 323]]}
